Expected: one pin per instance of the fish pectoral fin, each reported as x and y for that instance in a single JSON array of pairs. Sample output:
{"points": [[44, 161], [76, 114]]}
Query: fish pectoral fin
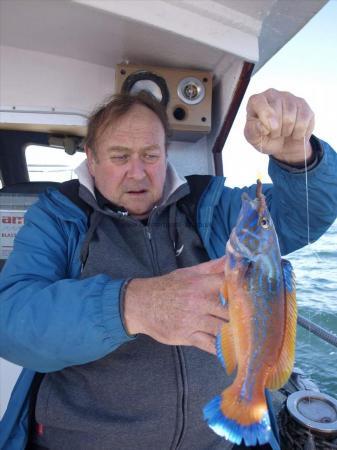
{"points": [[225, 348], [282, 371]]}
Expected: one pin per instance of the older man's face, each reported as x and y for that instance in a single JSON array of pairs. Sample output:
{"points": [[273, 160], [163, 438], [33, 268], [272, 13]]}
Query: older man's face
{"points": [[129, 167]]}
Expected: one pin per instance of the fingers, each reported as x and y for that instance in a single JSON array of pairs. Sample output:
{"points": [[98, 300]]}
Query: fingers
{"points": [[210, 325], [278, 114], [305, 122], [200, 287], [288, 117], [261, 115]]}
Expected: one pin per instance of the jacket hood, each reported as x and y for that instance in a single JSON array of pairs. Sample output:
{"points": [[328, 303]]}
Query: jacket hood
{"points": [[171, 192]]}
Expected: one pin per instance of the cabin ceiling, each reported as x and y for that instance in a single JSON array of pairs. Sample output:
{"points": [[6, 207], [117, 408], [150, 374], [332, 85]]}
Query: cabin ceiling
{"points": [[107, 32]]}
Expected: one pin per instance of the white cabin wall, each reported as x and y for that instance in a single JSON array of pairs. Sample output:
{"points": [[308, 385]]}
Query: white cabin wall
{"points": [[8, 375], [36, 80], [191, 158], [223, 91]]}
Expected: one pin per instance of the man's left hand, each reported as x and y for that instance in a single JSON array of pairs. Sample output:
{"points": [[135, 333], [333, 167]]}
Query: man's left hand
{"points": [[280, 124]]}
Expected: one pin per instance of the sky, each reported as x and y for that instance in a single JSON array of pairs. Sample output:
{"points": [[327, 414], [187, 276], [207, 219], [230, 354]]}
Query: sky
{"points": [[307, 67]]}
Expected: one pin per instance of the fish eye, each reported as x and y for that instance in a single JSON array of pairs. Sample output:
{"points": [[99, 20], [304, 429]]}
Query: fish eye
{"points": [[264, 222]]}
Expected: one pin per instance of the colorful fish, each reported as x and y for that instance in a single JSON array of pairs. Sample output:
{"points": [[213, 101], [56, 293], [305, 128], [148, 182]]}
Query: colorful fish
{"points": [[259, 340]]}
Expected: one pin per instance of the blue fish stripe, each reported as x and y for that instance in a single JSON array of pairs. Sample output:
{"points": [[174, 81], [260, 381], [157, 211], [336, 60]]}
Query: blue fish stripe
{"points": [[219, 351], [287, 270], [223, 300], [232, 261], [253, 222]]}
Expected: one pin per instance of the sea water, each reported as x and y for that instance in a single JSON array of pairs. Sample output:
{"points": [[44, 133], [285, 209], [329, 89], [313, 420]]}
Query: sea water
{"points": [[316, 283]]}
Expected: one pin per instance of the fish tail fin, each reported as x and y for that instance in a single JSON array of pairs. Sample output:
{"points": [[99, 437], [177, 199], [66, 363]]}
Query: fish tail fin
{"points": [[238, 420]]}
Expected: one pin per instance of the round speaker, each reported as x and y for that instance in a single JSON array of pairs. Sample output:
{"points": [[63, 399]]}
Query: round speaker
{"points": [[146, 81]]}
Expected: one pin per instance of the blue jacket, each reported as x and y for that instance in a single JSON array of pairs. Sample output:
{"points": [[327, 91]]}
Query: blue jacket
{"points": [[49, 319]]}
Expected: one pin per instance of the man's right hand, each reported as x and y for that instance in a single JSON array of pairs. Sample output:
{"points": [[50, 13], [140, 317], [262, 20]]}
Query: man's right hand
{"points": [[180, 308]]}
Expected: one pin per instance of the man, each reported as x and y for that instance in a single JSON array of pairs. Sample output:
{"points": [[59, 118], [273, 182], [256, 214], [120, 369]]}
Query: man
{"points": [[110, 292]]}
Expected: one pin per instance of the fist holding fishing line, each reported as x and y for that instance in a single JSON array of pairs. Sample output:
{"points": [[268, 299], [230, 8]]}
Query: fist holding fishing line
{"points": [[180, 308], [279, 124]]}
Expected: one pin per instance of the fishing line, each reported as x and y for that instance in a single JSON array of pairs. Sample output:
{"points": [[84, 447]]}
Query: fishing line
{"points": [[306, 190], [260, 171], [309, 246], [307, 202], [308, 232]]}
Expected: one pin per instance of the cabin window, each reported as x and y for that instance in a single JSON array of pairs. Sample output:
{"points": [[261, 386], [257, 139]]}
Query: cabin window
{"points": [[51, 164]]}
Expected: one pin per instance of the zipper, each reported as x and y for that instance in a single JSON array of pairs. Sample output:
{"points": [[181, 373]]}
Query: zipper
{"points": [[181, 367], [153, 252], [183, 405]]}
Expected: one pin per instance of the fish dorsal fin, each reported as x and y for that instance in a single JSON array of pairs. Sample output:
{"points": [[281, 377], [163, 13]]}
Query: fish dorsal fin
{"points": [[282, 371]]}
